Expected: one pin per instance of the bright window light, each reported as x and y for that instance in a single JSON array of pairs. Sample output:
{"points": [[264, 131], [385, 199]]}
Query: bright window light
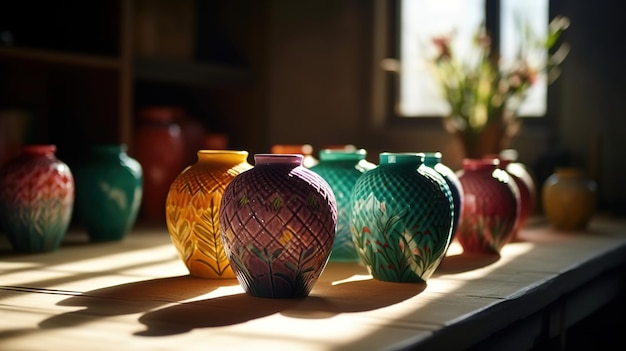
{"points": [[422, 20]]}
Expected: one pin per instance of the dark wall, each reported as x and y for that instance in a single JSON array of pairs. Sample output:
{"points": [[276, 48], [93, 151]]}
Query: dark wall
{"points": [[321, 91]]}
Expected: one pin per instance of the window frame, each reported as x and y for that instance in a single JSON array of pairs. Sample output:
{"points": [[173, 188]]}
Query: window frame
{"points": [[389, 47]]}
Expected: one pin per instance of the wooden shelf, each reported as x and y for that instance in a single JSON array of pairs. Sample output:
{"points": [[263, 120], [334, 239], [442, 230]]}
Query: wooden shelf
{"points": [[60, 57], [189, 73]]}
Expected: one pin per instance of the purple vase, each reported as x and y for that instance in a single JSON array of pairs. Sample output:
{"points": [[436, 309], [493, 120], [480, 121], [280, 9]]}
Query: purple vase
{"points": [[278, 223]]}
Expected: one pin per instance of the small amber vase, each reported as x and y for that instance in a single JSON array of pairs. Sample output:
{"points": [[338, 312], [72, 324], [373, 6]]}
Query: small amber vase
{"points": [[192, 211], [569, 199]]}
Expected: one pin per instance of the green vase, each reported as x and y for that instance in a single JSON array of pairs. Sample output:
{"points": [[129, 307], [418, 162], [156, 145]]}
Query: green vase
{"points": [[108, 192], [401, 218], [433, 160], [341, 169]]}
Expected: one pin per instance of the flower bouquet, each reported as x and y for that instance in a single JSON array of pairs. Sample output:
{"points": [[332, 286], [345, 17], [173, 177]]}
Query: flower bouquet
{"points": [[484, 93]]}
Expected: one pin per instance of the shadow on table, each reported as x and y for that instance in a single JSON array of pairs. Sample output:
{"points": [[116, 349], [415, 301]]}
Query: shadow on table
{"points": [[465, 262], [132, 298], [325, 301]]}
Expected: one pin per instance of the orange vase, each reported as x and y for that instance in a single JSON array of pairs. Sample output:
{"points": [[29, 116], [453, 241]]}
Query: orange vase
{"points": [[192, 211]]}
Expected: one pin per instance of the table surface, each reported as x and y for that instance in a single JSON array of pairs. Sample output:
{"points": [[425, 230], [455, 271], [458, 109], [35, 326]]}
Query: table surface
{"points": [[137, 294]]}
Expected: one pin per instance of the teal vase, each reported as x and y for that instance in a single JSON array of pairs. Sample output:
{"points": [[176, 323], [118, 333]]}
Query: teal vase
{"points": [[401, 218], [341, 169], [433, 160], [108, 192]]}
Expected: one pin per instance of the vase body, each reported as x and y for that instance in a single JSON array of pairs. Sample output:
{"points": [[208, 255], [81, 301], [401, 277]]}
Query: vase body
{"points": [[278, 223], [433, 160], [491, 206], [569, 199], [159, 148], [109, 189], [192, 211], [36, 199], [341, 169], [526, 185], [401, 218]]}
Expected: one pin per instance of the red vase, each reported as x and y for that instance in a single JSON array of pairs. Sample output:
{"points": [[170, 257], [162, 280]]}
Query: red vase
{"points": [[159, 148], [36, 199], [525, 183], [490, 206]]}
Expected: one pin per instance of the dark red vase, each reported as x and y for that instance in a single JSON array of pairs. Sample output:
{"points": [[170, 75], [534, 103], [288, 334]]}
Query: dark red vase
{"points": [[491, 206], [159, 148]]}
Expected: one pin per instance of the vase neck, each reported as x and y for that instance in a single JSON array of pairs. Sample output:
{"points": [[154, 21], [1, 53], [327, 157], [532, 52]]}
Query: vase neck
{"points": [[401, 158], [480, 164], [292, 160], [331, 155], [223, 156], [431, 159], [107, 150], [47, 150]]}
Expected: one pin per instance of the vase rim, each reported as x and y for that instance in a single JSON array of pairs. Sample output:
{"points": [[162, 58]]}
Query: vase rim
{"points": [[265, 159], [401, 158], [222, 152], [480, 163], [342, 154], [110, 147], [39, 148]]}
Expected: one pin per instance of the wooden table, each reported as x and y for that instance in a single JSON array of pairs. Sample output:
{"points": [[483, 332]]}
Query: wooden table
{"points": [[136, 294]]}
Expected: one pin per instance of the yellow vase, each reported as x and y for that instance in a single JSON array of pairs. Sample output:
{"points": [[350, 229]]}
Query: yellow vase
{"points": [[569, 199], [192, 211]]}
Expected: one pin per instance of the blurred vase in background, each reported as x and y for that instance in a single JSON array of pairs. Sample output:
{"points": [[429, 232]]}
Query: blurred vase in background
{"points": [[109, 189], [36, 199], [569, 198]]}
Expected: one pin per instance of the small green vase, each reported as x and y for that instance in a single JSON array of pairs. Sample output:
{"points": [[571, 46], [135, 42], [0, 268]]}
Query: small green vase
{"points": [[108, 192], [341, 169]]}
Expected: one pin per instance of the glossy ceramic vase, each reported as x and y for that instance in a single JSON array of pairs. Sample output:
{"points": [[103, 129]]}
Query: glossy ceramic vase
{"points": [[341, 169], [159, 147], [36, 199], [192, 211], [527, 189], [433, 160], [278, 223], [569, 199], [109, 188], [491, 206], [401, 218]]}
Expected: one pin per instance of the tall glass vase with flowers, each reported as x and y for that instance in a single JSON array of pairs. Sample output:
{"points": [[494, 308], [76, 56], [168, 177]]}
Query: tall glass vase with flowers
{"points": [[484, 93]]}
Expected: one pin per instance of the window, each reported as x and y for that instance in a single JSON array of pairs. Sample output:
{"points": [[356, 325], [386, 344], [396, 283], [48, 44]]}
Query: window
{"points": [[415, 93]]}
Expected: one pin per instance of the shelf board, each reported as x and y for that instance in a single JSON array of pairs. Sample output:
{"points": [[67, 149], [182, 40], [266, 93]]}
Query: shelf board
{"points": [[189, 73], [60, 57]]}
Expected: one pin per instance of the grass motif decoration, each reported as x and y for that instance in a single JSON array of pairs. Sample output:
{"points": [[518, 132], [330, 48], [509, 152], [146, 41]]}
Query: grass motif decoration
{"points": [[392, 250]]}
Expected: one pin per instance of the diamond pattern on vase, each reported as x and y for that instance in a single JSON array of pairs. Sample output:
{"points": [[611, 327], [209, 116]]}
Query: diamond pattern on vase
{"points": [[278, 223], [401, 218]]}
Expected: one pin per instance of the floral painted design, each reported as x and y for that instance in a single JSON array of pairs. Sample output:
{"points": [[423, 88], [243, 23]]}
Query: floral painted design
{"points": [[393, 248]]}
